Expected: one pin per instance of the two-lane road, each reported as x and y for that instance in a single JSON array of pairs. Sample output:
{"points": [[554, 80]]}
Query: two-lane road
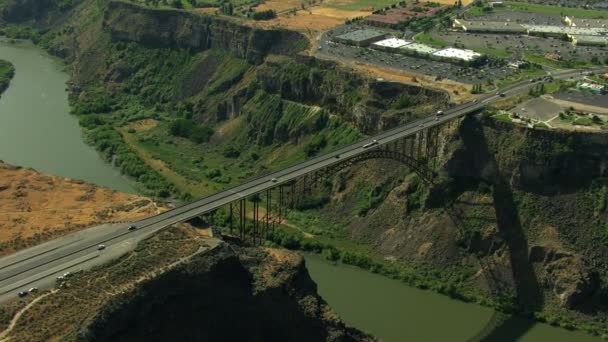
{"points": [[38, 266]]}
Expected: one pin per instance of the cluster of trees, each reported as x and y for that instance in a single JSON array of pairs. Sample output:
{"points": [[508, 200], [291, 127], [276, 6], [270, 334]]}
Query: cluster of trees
{"points": [[174, 3], [264, 15], [537, 90], [187, 129], [477, 89]]}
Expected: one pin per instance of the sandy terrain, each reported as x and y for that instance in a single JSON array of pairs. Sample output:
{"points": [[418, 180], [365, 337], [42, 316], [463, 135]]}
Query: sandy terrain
{"points": [[35, 207]]}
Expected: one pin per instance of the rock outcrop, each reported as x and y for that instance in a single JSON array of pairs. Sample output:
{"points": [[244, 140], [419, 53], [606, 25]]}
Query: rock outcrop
{"points": [[183, 29], [227, 294]]}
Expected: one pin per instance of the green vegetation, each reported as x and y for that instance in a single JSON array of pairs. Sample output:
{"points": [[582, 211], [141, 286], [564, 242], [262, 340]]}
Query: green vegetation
{"points": [[188, 129], [521, 75], [560, 64], [556, 10], [7, 71], [359, 5], [503, 117], [264, 15], [427, 38], [502, 53]]}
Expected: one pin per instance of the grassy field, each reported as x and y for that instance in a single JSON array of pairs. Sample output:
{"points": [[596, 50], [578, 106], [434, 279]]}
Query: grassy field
{"points": [[503, 117], [519, 76], [427, 38], [577, 12], [357, 5], [542, 9], [541, 60], [494, 52]]}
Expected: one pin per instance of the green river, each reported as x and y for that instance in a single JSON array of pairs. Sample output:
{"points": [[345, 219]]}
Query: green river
{"points": [[36, 130]]}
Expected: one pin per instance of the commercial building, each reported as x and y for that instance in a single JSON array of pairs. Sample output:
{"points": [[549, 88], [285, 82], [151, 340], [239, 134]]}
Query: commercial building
{"points": [[561, 31], [577, 22], [390, 44], [588, 40], [361, 37], [592, 87], [458, 55], [489, 26], [417, 49]]}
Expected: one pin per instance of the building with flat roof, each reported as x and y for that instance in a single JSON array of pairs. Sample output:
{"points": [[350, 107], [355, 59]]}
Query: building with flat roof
{"points": [[551, 30], [593, 87], [454, 54], [489, 26], [588, 40], [361, 37], [417, 49], [390, 44], [584, 22]]}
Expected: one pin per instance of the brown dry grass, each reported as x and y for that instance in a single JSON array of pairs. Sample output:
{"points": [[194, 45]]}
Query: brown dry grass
{"points": [[65, 311], [463, 91], [143, 125], [35, 207], [311, 21]]}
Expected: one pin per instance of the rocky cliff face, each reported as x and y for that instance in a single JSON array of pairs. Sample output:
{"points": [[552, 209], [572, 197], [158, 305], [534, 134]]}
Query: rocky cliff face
{"points": [[182, 29], [228, 294], [519, 214], [372, 105]]}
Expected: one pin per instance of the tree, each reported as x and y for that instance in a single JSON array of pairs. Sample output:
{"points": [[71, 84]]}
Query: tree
{"points": [[177, 4]]}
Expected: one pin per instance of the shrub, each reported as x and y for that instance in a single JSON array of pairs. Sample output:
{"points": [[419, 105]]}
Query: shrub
{"points": [[187, 129], [264, 15]]}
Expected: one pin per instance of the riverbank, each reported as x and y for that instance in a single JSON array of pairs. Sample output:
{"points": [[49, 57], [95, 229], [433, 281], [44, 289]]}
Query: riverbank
{"points": [[7, 71], [36, 207]]}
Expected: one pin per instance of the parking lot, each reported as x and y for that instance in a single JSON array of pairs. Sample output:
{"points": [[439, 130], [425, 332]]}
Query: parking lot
{"points": [[519, 17], [420, 65], [516, 45]]}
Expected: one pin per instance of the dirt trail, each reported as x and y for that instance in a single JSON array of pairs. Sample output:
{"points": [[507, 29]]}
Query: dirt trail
{"points": [[18, 315]]}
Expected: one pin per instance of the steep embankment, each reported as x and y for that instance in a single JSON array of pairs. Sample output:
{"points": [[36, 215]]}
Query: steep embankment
{"points": [[189, 103], [517, 219], [201, 291]]}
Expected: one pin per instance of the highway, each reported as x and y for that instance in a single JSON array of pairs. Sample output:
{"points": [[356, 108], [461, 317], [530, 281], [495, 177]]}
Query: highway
{"points": [[40, 265]]}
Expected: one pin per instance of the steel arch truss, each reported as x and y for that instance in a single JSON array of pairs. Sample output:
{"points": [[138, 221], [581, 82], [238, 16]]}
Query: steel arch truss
{"points": [[418, 151]]}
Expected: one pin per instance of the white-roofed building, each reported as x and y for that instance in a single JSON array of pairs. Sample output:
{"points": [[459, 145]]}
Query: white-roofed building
{"points": [[585, 22], [390, 44], [550, 30], [588, 40], [459, 55], [417, 49]]}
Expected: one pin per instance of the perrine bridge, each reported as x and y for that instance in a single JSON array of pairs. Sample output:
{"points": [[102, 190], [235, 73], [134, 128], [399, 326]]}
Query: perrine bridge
{"points": [[415, 144]]}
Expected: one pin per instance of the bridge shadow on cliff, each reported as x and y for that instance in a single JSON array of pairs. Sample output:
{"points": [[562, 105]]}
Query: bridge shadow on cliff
{"points": [[529, 296]]}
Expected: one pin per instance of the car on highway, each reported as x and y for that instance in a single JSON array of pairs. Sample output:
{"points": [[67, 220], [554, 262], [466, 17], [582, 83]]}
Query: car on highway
{"points": [[371, 143], [440, 113], [101, 247], [501, 94], [132, 227], [274, 180], [33, 289], [23, 293]]}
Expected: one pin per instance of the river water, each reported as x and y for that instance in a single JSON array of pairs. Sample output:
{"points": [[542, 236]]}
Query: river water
{"points": [[36, 130]]}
